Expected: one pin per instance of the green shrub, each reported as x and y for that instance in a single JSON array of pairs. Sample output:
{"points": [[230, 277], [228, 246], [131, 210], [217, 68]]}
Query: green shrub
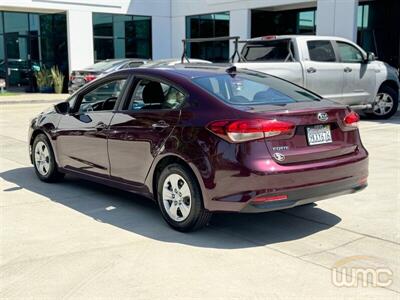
{"points": [[58, 79], [44, 80]]}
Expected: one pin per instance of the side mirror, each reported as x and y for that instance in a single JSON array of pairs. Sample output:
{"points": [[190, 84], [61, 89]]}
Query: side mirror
{"points": [[370, 56], [62, 108]]}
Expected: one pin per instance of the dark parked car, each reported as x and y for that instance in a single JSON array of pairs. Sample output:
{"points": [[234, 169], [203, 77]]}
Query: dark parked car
{"points": [[202, 140], [79, 78]]}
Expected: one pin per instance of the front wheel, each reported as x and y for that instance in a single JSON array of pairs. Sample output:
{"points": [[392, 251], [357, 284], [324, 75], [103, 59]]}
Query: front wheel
{"points": [[180, 199], [44, 161], [385, 104]]}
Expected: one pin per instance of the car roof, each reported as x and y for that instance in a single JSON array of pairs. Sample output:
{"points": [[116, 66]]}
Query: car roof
{"points": [[186, 70]]}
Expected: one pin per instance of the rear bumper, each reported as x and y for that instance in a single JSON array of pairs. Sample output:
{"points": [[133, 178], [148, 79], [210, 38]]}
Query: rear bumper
{"points": [[299, 185], [305, 196]]}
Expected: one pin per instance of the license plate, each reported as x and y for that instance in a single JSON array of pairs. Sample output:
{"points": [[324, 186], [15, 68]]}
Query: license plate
{"points": [[319, 134]]}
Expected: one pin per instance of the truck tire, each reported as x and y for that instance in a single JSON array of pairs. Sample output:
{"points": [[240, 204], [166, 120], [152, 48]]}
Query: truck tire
{"points": [[385, 104]]}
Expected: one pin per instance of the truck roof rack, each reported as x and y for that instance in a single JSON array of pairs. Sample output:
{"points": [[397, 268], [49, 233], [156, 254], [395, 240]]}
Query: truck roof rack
{"points": [[215, 39]]}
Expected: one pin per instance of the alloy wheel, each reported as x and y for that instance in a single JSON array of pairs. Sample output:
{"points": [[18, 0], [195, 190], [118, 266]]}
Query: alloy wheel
{"points": [[383, 104]]}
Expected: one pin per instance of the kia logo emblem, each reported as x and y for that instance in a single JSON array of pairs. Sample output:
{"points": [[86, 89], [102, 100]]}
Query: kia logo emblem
{"points": [[279, 156], [322, 116]]}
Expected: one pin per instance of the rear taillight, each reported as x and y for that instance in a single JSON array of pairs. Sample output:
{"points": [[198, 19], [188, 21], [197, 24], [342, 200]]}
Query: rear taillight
{"points": [[351, 119], [71, 77], [246, 130], [90, 77], [268, 37]]}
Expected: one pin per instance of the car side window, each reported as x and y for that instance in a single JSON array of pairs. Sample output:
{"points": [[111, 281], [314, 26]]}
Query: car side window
{"points": [[151, 94], [321, 51], [348, 53], [102, 98]]}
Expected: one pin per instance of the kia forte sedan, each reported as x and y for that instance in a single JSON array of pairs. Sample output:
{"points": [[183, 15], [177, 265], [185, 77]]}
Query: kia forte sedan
{"points": [[203, 139]]}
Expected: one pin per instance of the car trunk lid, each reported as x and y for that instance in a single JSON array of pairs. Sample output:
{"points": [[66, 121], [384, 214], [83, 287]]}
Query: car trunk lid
{"points": [[320, 132]]}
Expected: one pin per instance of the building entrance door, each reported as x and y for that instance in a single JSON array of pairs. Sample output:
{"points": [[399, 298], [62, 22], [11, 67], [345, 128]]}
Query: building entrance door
{"points": [[17, 63]]}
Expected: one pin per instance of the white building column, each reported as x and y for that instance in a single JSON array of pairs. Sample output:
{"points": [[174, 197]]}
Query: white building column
{"points": [[161, 37], [178, 34], [80, 39], [239, 25], [337, 18]]}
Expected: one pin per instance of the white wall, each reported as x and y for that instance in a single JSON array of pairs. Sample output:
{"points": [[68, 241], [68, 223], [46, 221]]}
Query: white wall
{"points": [[239, 25], [337, 18], [80, 39], [178, 28]]}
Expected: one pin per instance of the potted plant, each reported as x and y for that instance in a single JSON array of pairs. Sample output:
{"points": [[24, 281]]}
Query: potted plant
{"points": [[58, 79], [44, 80]]}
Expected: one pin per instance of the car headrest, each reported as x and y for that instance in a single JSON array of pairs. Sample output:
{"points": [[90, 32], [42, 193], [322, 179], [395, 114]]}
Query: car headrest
{"points": [[153, 93]]}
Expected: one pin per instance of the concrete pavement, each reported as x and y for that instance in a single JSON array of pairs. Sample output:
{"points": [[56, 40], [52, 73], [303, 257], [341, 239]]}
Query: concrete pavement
{"points": [[81, 240], [31, 98]]}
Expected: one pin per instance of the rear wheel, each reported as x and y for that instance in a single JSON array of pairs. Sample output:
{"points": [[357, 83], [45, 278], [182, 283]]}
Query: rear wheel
{"points": [[180, 199], [385, 104], [44, 161]]}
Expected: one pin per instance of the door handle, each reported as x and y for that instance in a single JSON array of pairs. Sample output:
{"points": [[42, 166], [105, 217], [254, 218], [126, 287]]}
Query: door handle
{"points": [[347, 69], [160, 125], [101, 126], [311, 70]]}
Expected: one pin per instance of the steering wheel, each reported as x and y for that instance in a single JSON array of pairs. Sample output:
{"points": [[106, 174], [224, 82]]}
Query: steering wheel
{"points": [[107, 101]]}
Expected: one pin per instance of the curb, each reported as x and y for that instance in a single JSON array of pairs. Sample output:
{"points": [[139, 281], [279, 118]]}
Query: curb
{"points": [[29, 101]]}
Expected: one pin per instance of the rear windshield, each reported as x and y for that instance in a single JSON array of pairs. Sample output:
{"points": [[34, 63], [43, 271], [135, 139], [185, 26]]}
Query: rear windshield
{"points": [[273, 51], [104, 65], [253, 89]]}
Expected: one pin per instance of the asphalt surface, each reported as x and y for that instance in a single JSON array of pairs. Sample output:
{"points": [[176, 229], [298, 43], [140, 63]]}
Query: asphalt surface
{"points": [[81, 240]]}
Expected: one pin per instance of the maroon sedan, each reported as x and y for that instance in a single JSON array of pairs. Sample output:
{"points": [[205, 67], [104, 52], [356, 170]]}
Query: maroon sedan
{"points": [[203, 139]]}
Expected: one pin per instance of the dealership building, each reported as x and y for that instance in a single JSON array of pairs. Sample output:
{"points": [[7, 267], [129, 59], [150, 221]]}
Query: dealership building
{"points": [[73, 34]]}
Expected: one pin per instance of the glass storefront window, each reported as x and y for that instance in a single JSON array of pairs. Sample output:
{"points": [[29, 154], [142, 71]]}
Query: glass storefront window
{"points": [[120, 36], [34, 24], [208, 26], [16, 23], [103, 48], [306, 22], [102, 25], [120, 22], [31, 40], [378, 28], [283, 22]]}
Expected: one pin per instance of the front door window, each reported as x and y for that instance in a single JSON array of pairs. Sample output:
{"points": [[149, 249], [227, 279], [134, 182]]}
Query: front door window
{"points": [[102, 98]]}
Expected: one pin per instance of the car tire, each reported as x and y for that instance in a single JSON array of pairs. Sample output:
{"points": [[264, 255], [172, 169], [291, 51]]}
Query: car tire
{"points": [[385, 104], [180, 199], [44, 161]]}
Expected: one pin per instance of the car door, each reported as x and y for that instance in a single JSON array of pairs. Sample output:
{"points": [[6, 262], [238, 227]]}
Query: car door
{"points": [[359, 75], [140, 128], [82, 134], [323, 72]]}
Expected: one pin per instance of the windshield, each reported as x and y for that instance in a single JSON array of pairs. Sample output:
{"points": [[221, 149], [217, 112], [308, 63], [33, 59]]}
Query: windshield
{"points": [[253, 89], [274, 51]]}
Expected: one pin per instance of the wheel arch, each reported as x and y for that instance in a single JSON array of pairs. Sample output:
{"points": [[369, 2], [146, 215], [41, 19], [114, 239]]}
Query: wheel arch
{"points": [[167, 160], [34, 134], [390, 83]]}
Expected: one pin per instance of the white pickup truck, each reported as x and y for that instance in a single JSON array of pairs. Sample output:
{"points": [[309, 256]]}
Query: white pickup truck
{"points": [[333, 67]]}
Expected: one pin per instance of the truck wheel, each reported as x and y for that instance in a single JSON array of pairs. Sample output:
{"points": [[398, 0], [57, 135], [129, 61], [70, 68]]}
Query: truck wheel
{"points": [[385, 104]]}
